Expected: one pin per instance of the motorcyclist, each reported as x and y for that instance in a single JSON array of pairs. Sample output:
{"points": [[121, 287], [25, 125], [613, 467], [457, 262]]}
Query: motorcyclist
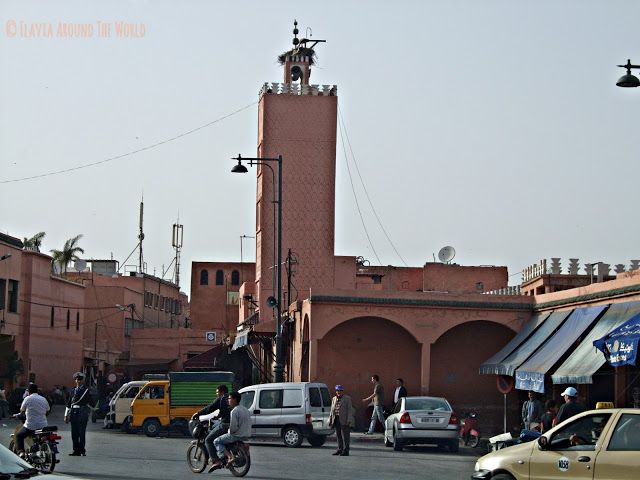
{"points": [[35, 408], [220, 403]]}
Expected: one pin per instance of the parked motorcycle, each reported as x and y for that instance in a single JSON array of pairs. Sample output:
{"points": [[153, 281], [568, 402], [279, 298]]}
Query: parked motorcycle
{"points": [[469, 430], [41, 448], [197, 455]]}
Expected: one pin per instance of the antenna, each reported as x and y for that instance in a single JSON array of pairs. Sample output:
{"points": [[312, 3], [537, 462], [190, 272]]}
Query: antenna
{"points": [[141, 238], [176, 242], [446, 254], [79, 265]]}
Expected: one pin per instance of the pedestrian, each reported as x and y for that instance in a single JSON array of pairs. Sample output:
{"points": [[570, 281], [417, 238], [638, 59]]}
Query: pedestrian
{"points": [[531, 411], [77, 412], [571, 406], [400, 392], [4, 405], [342, 418], [378, 404], [549, 416]]}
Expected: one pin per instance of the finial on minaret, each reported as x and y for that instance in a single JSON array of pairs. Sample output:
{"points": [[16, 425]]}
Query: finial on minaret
{"points": [[295, 34]]}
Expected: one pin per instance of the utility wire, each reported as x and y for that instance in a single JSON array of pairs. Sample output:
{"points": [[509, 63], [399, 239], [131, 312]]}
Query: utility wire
{"points": [[353, 157], [353, 189], [133, 152]]}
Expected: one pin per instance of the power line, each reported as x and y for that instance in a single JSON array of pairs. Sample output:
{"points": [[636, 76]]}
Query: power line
{"points": [[353, 189], [133, 152], [365, 190]]}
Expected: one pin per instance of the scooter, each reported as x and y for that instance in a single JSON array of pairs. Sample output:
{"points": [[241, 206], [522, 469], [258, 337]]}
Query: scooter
{"points": [[197, 455], [469, 430], [41, 448]]}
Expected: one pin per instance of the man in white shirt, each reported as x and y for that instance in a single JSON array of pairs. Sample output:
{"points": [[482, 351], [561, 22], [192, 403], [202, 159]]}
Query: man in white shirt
{"points": [[35, 408]]}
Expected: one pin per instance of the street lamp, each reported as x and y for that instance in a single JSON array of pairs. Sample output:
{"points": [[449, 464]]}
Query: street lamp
{"points": [[5, 256], [278, 369], [628, 80]]}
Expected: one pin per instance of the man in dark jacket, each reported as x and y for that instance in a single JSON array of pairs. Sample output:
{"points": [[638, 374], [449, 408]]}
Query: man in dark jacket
{"points": [[77, 412], [400, 392], [571, 406], [220, 403]]}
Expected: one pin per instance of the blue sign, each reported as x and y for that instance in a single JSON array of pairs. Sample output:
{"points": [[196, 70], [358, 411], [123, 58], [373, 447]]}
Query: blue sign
{"points": [[620, 345], [530, 381]]}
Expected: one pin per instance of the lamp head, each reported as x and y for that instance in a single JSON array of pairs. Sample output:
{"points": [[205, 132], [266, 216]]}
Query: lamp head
{"points": [[239, 168], [628, 81]]}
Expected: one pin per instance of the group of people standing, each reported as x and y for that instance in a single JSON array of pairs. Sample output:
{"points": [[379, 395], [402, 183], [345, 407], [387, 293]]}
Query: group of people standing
{"points": [[342, 415], [535, 416]]}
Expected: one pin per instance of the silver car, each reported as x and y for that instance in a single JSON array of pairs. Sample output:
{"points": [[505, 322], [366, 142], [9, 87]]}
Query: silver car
{"points": [[12, 466], [422, 420]]}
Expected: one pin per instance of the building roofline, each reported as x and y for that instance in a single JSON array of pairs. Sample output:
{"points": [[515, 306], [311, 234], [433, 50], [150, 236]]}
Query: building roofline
{"points": [[409, 302]]}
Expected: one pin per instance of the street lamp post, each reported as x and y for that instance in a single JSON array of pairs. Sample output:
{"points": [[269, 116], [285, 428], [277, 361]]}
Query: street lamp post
{"points": [[628, 80], [278, 369]]}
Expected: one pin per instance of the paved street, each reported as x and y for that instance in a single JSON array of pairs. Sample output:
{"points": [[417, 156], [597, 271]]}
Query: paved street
{"points": [[112, 454]]}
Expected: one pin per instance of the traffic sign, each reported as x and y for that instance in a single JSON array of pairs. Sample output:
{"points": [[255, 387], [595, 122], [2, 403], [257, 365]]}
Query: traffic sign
{"points": [[211, 336], [504, 383]]}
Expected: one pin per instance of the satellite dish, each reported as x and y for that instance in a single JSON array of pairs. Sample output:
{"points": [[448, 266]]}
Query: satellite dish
{"points": [[79, 265], [446, 254]]}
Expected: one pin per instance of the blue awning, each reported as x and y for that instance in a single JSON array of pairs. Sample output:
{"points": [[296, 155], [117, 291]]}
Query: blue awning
{"points": [[586, 359], [523, 352], [620, 346], [242, 340], [493, 366], [530, 375]]}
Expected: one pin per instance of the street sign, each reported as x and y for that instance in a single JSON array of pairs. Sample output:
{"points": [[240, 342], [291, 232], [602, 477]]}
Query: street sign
{"points": [[211, 336], [504, 383]]}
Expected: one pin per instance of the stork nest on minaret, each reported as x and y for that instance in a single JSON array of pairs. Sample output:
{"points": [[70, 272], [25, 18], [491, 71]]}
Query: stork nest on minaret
{"points": [[302, 51]]}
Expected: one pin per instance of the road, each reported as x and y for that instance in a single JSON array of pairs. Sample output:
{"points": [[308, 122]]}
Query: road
{"points": [[116, 455]]}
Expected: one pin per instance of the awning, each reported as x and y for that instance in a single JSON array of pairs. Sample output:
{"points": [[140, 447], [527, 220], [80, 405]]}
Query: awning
{"points": [[247, 337], [586, 359], [530, 375], [523, 352], [620, 346], [242, 340], [494, 366]]}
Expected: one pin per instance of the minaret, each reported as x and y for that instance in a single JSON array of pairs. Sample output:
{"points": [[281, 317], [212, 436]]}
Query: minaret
{"points": [[298, 121]]}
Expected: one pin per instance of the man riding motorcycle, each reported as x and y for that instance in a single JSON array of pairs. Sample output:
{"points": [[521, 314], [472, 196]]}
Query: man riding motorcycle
{"points": [[35, 408], [220, 403]]}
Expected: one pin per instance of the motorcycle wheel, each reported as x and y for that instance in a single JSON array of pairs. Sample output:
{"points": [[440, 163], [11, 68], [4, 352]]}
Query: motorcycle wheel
{"points": [[474, 441], [197, 458], [241, 463], [49, 461]]}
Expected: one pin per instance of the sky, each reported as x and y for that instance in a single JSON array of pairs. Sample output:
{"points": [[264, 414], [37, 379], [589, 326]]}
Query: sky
{"points": [[491, 126]]}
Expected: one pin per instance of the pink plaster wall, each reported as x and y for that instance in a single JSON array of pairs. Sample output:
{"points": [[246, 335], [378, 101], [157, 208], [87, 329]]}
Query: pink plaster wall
{"points": [[455, 278]]}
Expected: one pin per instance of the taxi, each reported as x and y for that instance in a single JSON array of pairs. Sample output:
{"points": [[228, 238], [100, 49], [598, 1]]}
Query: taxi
{"points": [[596, 444]]}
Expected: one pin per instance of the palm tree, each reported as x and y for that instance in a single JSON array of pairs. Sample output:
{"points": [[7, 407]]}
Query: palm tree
{"points": [[69, 252], [35, 241]]}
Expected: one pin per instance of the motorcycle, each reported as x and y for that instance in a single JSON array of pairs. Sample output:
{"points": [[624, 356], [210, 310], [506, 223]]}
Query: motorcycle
{"points": [[469, 430], [198, 457], [41, 448]]}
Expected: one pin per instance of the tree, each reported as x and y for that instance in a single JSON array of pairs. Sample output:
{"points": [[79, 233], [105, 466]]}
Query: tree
{"points": [[69, 252], [35, 241]]}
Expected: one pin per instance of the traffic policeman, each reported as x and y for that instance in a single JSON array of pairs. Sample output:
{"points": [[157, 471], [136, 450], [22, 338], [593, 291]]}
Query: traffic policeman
{"points": [[77, 412]]}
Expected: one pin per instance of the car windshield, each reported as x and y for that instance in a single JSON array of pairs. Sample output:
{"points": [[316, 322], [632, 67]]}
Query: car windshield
{"points": [[10, 462], [418, 403]]}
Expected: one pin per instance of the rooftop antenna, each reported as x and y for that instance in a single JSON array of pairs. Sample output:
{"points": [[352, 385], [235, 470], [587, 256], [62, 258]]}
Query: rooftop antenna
{"points": [[446, 254], [141, 237], [176, 242]]}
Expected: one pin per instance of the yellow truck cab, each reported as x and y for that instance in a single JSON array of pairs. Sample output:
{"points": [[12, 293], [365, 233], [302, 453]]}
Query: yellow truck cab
{"points": [[169, 404]]}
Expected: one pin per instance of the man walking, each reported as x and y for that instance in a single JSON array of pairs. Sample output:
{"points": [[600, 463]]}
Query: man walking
{"points": [[342, 418], [35, 408], [531, 411], [77, 412], [220, 403], [571, 406], [378, 403]]}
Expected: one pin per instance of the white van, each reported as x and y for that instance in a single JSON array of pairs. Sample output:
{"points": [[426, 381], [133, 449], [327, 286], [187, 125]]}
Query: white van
{"points": [[120, 405], [291, 411]]}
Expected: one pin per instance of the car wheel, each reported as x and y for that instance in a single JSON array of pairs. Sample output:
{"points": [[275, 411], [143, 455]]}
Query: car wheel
{"points": [[397, 444], [151, 427], [387, 442], [502, 476], [317, 440], [292, 436]]}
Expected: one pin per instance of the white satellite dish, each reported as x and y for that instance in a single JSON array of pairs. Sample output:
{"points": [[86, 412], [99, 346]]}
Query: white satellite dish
{"points": [[79, 265], [446, 254]]}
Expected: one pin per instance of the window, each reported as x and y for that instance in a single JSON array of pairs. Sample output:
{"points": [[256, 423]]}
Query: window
{"points": [[235, 277], [581, 434], [3, 288], [219, 277], [53, 314], [68, 319], [427, 404], [246, 399], [13, 296], [292, 398], [626, 436], [270, 399], [156, 299], [77, 320], [154, 393], [162, 303], [204, 277], [314, 397], [130, 324], [326, 398]]}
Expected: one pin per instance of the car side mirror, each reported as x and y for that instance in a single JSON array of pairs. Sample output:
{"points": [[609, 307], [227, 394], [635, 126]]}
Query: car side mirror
{"points": [[543, 442]]}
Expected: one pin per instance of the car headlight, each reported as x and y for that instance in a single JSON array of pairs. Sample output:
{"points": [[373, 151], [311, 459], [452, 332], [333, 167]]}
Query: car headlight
{"points": [[477, 467]]}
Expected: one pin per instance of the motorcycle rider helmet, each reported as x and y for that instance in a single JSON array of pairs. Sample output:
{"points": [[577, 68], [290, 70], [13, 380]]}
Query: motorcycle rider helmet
{"points": [[78, 376]]}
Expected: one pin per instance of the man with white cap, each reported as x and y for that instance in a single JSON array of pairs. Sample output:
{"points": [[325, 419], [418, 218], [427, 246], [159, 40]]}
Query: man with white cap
{"points": [[571, 406]]}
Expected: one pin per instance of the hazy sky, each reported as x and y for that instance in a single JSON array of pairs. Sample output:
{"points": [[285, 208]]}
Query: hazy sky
{"points": [[492, 126]]}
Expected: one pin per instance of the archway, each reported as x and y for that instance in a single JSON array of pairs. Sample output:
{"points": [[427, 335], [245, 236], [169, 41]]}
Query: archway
{"points": [[455, 361], [356, 349]]}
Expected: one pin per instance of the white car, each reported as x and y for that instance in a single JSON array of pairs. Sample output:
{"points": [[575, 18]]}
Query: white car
{"points": [[422, 420], [12, 466]]}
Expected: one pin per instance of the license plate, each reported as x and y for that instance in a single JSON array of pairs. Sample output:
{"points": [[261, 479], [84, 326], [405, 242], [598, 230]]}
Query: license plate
{"points": [[429, 420]]}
